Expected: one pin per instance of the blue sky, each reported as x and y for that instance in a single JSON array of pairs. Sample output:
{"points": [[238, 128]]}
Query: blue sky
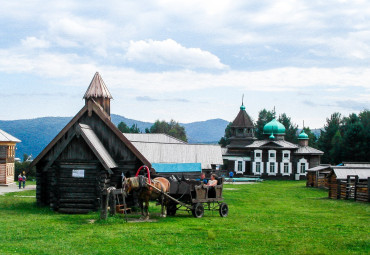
{"points": [[186, 60]]}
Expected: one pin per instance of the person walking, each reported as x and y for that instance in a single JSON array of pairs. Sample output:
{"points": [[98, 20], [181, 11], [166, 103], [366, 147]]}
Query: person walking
{"points": [[20, 180], [24, 179]]}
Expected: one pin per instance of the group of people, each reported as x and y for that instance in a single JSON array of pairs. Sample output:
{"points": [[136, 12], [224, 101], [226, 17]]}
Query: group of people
{"points": [[22, 179], [212, 182]]}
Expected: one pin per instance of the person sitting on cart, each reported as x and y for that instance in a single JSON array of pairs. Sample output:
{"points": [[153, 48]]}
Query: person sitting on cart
{"points": [[213, 181], [203, 178]]}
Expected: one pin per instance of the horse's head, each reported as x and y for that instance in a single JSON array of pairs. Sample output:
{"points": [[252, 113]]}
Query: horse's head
{"points": [[131, 183], [127, 185]]}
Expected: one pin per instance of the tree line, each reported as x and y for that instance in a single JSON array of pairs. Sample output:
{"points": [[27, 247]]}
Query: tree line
{"points": [[171, 128], [342, 138]]}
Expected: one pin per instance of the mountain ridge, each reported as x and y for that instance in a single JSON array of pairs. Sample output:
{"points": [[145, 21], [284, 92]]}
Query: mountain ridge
{"points": [[37, 133]]}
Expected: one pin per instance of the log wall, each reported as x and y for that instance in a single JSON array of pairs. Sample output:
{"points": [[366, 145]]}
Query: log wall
{"points": [[352, 188]]}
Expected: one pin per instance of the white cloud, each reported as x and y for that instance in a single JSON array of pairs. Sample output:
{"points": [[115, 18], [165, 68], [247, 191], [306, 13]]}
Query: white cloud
{"points": [[75, 69], [171, 53], [33, 42]]}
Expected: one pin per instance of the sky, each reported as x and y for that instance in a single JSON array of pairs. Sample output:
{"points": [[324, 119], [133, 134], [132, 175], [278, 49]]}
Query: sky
{"points": [[186, 60]]}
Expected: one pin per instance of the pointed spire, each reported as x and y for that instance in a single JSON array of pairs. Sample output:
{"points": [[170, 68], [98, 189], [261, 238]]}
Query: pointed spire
{"points": [[97, 88], [242, 107]]}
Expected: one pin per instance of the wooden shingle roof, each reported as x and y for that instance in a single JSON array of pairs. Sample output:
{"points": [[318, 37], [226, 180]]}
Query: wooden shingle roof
{"points": [[97, 88], [97, 147], [242, 120], [92, 106]]}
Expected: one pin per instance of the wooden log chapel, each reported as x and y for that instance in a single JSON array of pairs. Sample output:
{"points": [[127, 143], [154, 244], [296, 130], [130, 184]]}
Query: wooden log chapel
{"points": [[90, 154]]}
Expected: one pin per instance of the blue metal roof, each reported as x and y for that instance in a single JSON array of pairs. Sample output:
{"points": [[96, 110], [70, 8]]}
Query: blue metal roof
{"points": [[176, 167]]}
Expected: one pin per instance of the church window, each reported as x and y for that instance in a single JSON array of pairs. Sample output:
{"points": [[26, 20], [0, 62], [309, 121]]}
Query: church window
{"points": [[286, 168], [258, 155], [272, 167], [258, 167], [272, 155], [303, 168], [286, 155]]}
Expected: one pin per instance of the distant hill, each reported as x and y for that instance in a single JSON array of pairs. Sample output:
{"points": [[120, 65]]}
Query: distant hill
{"points": [[35, 134]]}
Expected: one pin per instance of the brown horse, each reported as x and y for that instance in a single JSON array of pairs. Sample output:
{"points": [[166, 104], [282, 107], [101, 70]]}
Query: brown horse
{"points": [[146, 193]]}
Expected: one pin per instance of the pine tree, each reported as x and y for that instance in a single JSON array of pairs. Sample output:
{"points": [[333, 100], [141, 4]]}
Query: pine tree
{"points": [[264, 117], [224, 141], [290, 128]]}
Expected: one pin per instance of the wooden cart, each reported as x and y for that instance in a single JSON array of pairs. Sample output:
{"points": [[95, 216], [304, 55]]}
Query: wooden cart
{"points": [[195, 197]]}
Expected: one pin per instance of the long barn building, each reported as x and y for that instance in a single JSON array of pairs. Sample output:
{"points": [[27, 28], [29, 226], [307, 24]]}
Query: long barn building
{"points": [[90, 153]]}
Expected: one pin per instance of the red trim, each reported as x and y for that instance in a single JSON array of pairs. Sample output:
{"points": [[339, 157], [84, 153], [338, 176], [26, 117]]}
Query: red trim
{"points": [[147, 171]]}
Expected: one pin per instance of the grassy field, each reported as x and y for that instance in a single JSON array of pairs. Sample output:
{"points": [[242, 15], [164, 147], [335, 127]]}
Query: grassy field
{"points": [[273, 217]]}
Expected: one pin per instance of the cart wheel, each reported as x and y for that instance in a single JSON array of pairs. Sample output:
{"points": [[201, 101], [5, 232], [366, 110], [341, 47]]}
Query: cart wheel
{"points": [[223, 210], [198, 210], [171, 209]]}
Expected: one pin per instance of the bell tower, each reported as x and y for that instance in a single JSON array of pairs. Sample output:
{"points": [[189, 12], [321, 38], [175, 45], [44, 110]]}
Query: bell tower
{"points": [[242, 128], [99, 92]]}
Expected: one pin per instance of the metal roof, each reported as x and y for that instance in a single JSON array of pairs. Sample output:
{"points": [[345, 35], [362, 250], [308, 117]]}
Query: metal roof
{"points": [[97, 88], [308, 150], [318, 168], [152, 138], [280, 143], [5, 137], [177, 168], [180, 153], [357, 164], [343, 172], [97, 147]]}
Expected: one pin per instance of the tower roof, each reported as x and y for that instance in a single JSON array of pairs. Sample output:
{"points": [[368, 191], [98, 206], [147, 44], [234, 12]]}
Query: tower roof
{"points": [[303, 136], [274, 127], [242, 119], [97, 88]]}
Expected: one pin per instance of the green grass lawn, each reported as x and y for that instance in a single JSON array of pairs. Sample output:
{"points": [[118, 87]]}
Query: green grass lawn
{"points": [[273, 217]]}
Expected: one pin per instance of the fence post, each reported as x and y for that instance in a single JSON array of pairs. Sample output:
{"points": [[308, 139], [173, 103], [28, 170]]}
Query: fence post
{"points": [[356, 182], [338, 189], [368, 189], [348, 186]]}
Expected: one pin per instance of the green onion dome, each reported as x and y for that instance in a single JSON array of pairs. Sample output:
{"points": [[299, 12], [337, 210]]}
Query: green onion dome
{"points": [[274, 127], [303, 136], [242, 107]]}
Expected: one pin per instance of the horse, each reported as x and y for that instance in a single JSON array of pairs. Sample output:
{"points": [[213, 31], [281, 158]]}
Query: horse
{"points": [[146, 193]]}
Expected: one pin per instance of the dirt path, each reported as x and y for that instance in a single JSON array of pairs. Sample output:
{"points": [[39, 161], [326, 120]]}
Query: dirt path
{"points": [[14, 188]]}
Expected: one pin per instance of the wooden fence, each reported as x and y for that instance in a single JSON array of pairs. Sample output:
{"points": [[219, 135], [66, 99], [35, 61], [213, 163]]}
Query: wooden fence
{"points": [[351, 188]]}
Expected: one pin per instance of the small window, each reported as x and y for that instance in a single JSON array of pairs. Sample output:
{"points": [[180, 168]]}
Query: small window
{"points": [[240, 166], [286, 168], [258, 154], [258, 167], [303, 168], [286, 155], [272, 167], [272, 155]]}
